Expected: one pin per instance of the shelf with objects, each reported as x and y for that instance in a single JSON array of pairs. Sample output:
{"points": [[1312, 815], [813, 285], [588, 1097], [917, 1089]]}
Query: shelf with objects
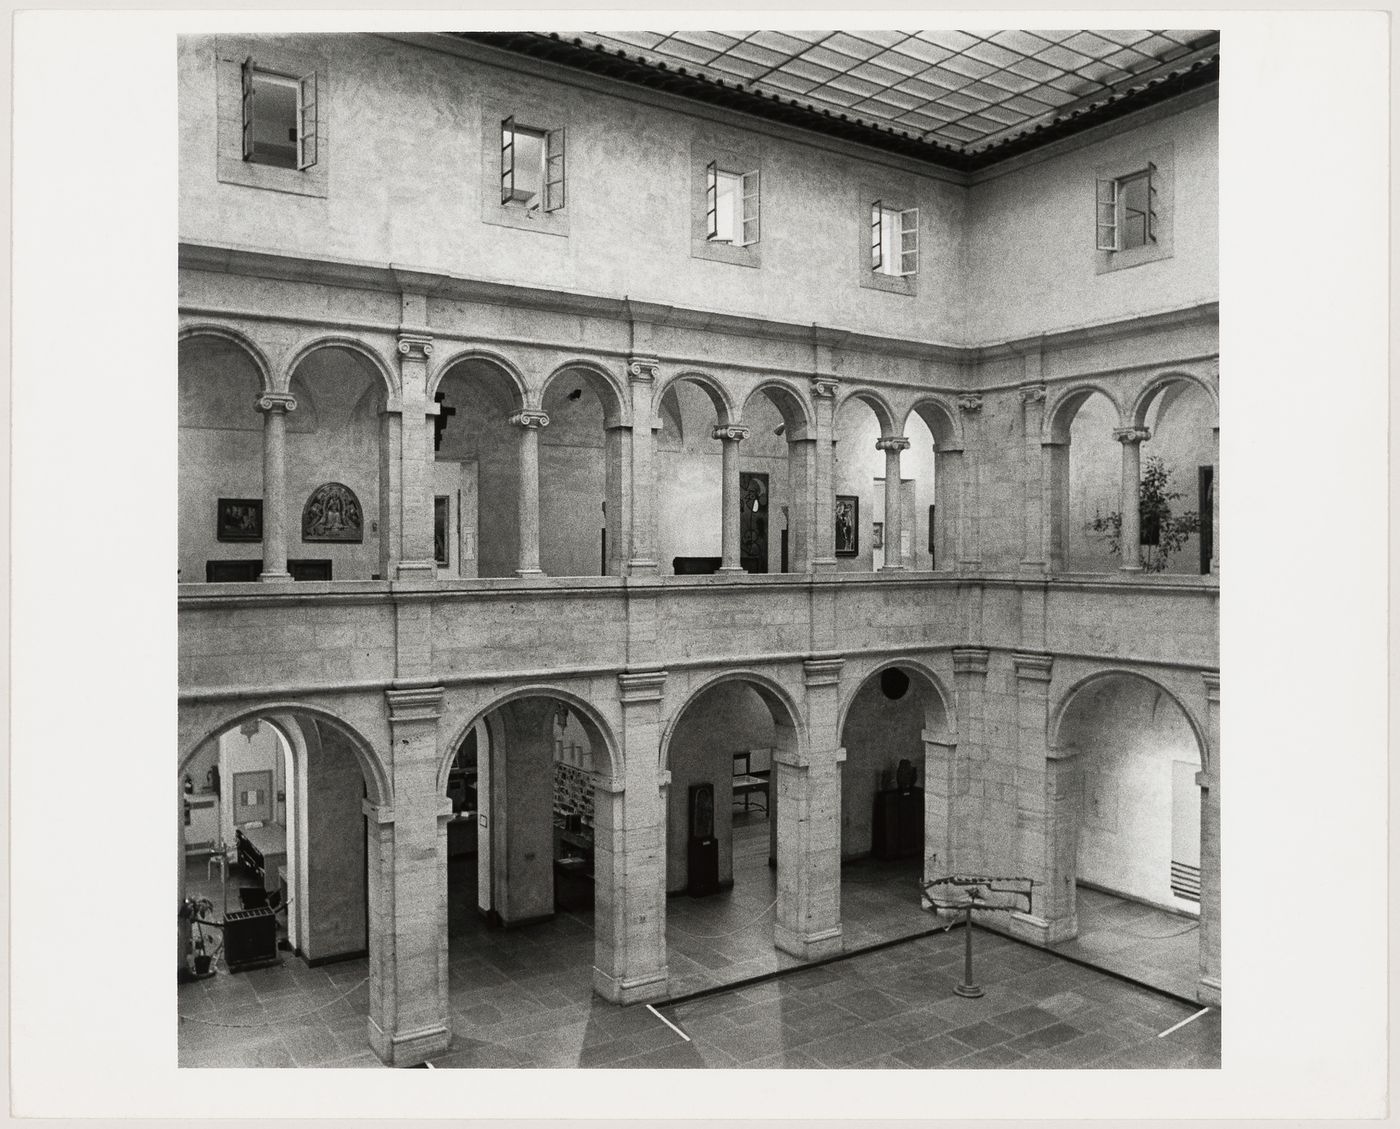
{"points": [[573, 827]]}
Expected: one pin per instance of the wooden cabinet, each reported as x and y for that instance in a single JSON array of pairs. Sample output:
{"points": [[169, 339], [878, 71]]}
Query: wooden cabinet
{"points": [[898, 824]]}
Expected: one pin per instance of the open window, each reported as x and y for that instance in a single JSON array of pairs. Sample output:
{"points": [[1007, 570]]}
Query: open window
{"points": [[532, 166], [731, 206], [894, 240], [279, 118], [1127, 211]]}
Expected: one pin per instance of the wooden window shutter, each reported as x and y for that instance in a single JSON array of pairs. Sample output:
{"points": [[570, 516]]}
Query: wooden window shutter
{"points": [[749, 226], [248, 108], [1151, 202], [909, 241], [711, 201], [1106, 218], [554, 170], [306, 127], [507, 160], [877, 219]]}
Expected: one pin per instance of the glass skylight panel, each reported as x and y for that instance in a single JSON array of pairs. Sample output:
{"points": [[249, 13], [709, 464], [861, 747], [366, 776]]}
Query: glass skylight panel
{"points": [[990, 53], [899, 62], [951, 80], [784, 42], [1087, 43], [714, 41], [962, 102], [1013, 83], [1024, 42], [957, 133], [686, 52], [984, 91], [928, 52], [856, 85], [872, 72], [901, 100], [1003, 116], [849, 44], [1127, 38], [753, 53], [952, 40], [1062, 57], [638, 38], [962, 64], [1034, 69]]}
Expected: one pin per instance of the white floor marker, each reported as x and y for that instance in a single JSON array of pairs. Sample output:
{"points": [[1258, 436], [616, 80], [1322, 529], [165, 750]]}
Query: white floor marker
{"points": [[668, 1023], [1183, 1023]]}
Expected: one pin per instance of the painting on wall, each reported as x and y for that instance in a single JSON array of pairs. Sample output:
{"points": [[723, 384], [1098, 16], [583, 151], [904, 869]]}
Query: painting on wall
{"points": [[440, 525], [239, 519], [847, 525], [753, 521], [333, 513]]}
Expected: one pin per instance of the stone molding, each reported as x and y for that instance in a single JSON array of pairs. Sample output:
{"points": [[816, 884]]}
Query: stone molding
{"points": [[663, 779], [380, 814], [415, 346], [643, 686], [422, 703], [947, 740], [791, 758], [1204, 779], [822, 672], [970, 403], [276, 402], [1032, 666], [731, 432], [532, 418], [892, 443], [1132, 434], [1212, 680], [611, 785], [970, 660], [643, 370]]}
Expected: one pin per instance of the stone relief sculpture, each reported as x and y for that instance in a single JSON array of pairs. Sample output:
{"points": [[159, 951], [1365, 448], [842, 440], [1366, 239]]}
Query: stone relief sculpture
{"points": [[332, 513]]}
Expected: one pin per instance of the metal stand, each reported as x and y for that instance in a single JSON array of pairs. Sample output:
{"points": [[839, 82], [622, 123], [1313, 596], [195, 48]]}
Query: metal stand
{"points": [[967, 987], [967, 892]]}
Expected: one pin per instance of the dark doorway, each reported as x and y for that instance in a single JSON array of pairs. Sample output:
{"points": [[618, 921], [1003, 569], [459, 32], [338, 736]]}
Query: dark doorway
{"points": [[1205, 506], [753, 522]]}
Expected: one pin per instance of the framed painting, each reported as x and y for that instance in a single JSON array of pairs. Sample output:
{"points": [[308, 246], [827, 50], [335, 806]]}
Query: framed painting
{"points": [[847, 525], [441, 510], [239, 519]]}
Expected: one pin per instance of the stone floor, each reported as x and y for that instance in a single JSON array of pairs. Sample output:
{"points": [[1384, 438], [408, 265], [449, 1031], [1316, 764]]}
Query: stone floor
{"points": [[523, 997]]}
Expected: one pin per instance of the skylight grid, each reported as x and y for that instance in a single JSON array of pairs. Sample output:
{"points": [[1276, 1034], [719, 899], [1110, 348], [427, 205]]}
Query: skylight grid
{"points": [[959, 88]]}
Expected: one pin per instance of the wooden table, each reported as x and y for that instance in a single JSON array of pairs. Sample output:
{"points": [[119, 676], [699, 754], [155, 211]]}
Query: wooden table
{"points": [[263, 849]]}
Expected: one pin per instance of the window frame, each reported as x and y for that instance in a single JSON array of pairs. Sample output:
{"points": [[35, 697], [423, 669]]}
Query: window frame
{"points": [[251, 70], [552, 171], [708, 160], [1156, 164], [872, 204], [908, 226], [547, 211]]}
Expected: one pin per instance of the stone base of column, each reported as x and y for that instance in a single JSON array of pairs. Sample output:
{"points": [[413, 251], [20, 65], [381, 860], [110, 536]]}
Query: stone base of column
{"points": [[1130, 568], [892, 568], [823, 564], [970, 566], [808, 946], [408, 1048], [529, 573], [638, 567], [1208, 990], [631, 990], [1041, 930], [731, 570], [1033, 566], [274, 577], [415, 570]]}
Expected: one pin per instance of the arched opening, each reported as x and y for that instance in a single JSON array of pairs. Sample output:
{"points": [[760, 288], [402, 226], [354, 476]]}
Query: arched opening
{"points": [[273, 850], [892, 817], [335, 478], [918, 471], [690, 478], [1086, 482], [776, 465], [220, 461], [940, 507], [1135, 832], [859, 476], [721, 833], [476, 471], [1178, 467]]}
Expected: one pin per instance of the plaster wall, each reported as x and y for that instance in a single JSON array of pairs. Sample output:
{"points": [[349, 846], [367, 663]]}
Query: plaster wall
{"points": [[238, 752], [335, 872]]}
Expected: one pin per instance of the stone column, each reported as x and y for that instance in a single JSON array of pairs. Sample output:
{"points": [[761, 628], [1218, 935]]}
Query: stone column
{"points": [[409, 1019], [617, 515], [1033, 471], [947, 497], [802, 470], [1132, 439], [970, 537], [808, 784], [730, 435], [1208, 990], [1047, 814], [823, 544], [641, 535], [390, 491], [1054, 462], [630, 919], [416, 448], [892, 445], [940, 789], [529, 420], [969, 689], [1215, 504], [274, 407]]}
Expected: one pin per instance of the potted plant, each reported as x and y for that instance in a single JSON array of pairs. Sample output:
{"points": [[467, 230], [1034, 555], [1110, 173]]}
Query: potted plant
{"points": [[1160, 531], [197, 911]]}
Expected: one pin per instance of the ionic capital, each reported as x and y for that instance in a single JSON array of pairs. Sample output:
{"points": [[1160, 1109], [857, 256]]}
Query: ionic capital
{"points": [[642, 686], [1033, 394], [276, 402], [892, 443], [731, 432], [643, 370], [824, 387], [970, 403], [1132, 434], [531, 418], [415, 346], [1212, 680]]}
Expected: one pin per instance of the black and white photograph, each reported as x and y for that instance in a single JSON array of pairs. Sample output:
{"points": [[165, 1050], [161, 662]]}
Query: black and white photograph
{"points": [[634, 778]]}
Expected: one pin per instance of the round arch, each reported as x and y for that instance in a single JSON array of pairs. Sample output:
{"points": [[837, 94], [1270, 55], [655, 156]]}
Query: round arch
{"points": [[940, 419], [376, 776], [350, 345], [594, 719], [1060, 415], [791, 404], [237, 339], [617, 410], [920, 668], [775, 696], [884, 414], [515, 380], [1159, 383], [718, 394], [1057, 716]]}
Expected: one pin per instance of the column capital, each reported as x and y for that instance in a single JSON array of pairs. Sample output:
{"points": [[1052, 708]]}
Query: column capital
{"points": [[822, 672], [892, 443], [641, 686], [1032, 394], [972, 402], [643, 370], [415, 346], [824, 387], [731, 432], [532, 418], [970, 660], [1132, 434], [1212, 680], [416, 703], [276, 402], [1032, 666], [377, 813]]}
